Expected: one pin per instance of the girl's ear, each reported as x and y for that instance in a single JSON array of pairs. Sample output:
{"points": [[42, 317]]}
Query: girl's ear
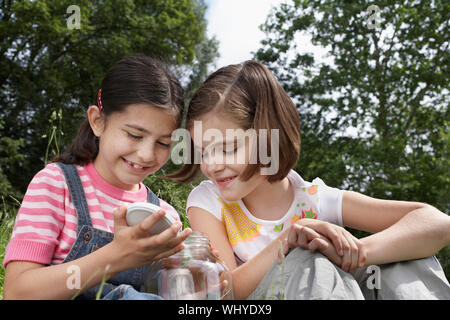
{"points": [[96, 120]]}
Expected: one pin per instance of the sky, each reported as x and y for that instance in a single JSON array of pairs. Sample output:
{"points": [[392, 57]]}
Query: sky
{"points": [[235, 23]]}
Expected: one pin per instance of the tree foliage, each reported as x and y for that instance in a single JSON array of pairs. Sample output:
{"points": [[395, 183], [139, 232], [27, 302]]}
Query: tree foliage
{"points": [[375, 109], [48, 69]]}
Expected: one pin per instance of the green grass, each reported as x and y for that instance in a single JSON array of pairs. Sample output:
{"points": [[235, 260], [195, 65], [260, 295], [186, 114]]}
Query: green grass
{"points": [[8, 209], [6, 226]]}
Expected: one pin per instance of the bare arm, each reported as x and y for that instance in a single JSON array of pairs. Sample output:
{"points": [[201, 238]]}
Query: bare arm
{"points": [[247, 276], [130, 248], [28, 280], [402, 230]]}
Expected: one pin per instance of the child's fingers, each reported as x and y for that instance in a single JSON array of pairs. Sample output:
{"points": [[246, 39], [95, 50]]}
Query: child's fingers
{"points": [[141, 229], [359, 255], [119, 215], [318, 244], [168, 235], [223, 284], [169, 252], [169, 238], [337, 241], [350, 261], [167, 243], [327, 230], [335, 235], [347, 257], [176, 244], [292, 236], [300, 236], [362, 254], [215, 252], [355, 252], [180, 237], [309, 234], [326, 248]]}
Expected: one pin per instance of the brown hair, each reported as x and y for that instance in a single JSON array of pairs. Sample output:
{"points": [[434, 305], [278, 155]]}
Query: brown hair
{"points": [[133, 80], [249, 94]]}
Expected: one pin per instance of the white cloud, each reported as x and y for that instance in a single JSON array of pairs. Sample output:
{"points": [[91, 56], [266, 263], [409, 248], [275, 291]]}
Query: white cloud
{"points": [[235, 23]]}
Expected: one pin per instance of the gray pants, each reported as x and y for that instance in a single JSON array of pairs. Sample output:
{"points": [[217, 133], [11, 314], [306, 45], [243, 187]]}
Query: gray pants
{"points": [[305, 275]]}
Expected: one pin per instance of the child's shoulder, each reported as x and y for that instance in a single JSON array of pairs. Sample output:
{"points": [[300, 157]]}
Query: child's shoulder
{"points": [[298, 181], [316, 188], [206, 191], [49, 181], [54, 175], [51, 170], [206, 187], [206, 196], [55, 170]]}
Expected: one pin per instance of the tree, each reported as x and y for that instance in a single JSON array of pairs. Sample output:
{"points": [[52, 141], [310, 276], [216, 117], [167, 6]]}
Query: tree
{"points": [[8, 157], [48, 68], [373, 111]]}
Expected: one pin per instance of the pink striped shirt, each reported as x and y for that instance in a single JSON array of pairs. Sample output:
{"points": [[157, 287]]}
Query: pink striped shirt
{"points": [[46, 224]]}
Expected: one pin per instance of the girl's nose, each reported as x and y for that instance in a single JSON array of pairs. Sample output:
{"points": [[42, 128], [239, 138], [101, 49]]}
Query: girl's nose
{"points": [[146, 153], [214, 163]]}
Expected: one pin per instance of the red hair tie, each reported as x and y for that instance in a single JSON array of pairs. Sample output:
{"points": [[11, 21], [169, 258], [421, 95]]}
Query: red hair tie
{"points": [[100, 106]]}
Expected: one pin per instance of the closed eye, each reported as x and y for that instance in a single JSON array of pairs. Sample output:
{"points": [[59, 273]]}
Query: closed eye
{"points": [[165, 145], [133, 136]]}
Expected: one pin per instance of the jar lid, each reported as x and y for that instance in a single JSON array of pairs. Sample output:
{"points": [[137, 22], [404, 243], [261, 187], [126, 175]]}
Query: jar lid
{"points": [[138, 211]]}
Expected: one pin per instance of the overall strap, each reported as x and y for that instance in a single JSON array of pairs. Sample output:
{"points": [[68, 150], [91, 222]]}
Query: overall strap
{"points": [[77, 193], [151, 197]]}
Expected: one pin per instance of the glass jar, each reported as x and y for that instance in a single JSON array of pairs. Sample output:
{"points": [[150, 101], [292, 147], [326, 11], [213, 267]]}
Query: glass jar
{"points": [[194, 273]]}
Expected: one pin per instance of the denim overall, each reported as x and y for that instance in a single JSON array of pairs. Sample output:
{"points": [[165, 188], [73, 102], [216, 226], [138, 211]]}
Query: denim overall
{"points": [[126, 284]]}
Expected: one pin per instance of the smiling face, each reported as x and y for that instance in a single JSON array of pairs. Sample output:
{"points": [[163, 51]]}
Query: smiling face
{"points": [[132, 144], [224, 158]]}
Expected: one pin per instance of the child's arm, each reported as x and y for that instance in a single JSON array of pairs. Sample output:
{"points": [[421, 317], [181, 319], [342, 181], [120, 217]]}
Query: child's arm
{"points": [[247, 276], [402, 230], [130, 248], [28, 280]]}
